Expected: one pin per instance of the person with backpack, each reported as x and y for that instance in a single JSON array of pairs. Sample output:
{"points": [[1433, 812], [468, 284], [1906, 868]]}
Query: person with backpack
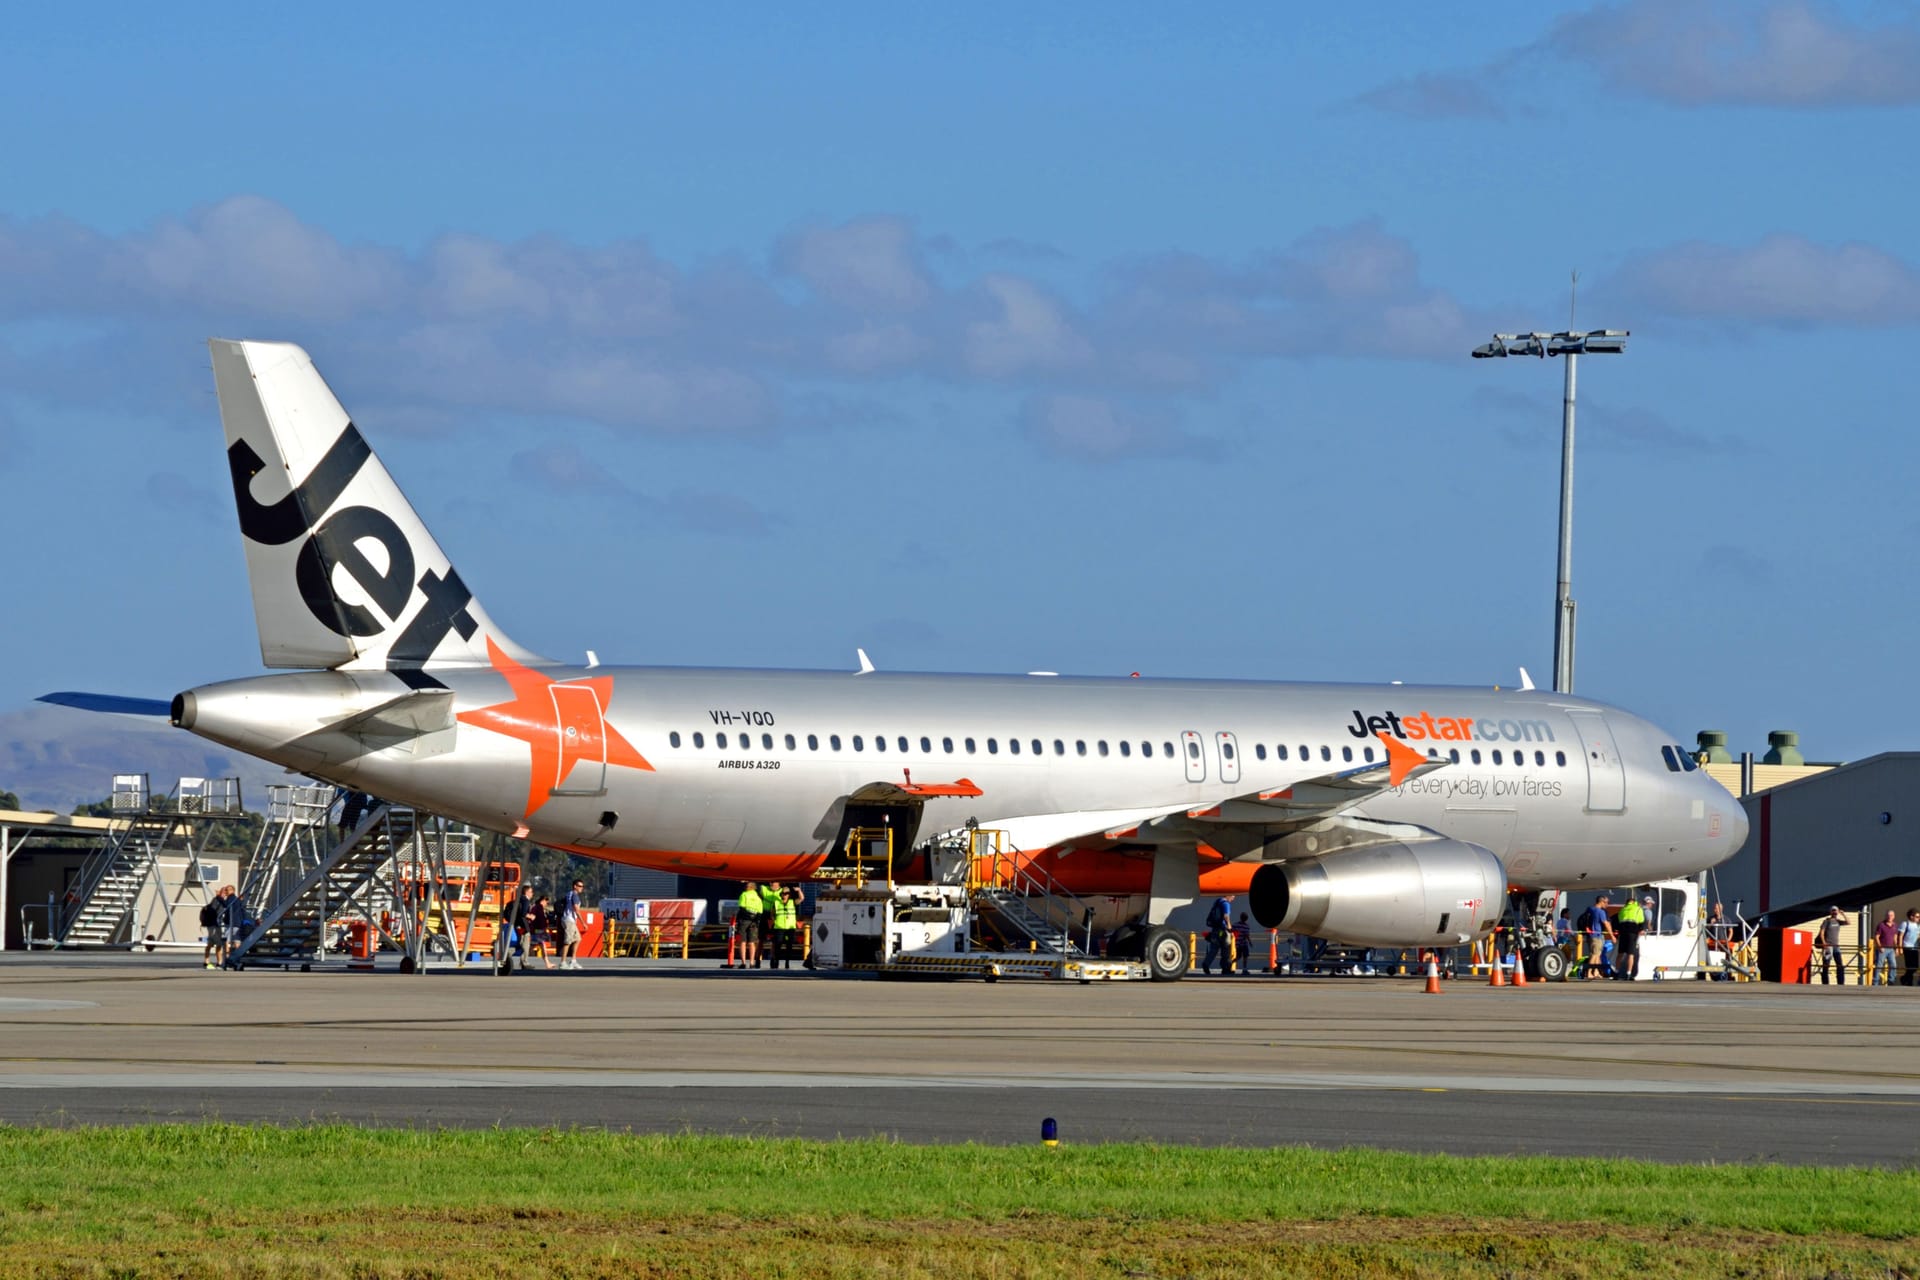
{"points": [[1219, 931], [1597, 928], [212, 930]]}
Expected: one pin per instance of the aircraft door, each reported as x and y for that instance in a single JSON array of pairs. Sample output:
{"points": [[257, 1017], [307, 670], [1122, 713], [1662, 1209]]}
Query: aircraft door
{"points": [[1196, 758], [1229, 752], [580, 733], [1606, 778]]}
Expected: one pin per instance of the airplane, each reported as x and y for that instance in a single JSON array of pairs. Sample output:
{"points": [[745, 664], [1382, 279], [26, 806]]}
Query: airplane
{"points": [[1374, 815]]}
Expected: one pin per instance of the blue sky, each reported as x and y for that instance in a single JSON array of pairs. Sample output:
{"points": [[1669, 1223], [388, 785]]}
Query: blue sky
{"points": [[997, 340]]}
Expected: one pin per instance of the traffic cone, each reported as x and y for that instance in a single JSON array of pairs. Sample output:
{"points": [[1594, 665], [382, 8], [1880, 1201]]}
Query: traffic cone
{"points": [[1499, 978], [1433, 974], [1519, 970]]}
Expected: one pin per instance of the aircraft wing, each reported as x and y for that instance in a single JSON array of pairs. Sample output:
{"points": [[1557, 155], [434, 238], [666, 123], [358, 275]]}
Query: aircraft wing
{"points": [[1245, 826]]}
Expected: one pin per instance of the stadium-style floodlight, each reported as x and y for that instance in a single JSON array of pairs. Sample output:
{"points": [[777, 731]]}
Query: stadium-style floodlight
{"points": [[1572, 344]]}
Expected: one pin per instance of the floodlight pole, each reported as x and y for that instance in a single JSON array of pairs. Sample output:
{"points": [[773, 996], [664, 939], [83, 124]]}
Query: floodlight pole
{"points": [[1570, 346], [1563, 588]]}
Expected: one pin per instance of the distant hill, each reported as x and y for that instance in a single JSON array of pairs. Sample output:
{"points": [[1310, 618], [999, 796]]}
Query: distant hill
{"points": [[56, 757]]}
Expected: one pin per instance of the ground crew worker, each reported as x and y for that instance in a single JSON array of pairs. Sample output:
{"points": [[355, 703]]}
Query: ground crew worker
{"points": [[1627, 926], [1831, 933], [749, 916], [1219, 927], [786, 926]]}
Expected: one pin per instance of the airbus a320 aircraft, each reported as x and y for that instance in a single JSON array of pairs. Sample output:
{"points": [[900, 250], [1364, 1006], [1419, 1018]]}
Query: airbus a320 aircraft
{"points": [[1376, 815]]}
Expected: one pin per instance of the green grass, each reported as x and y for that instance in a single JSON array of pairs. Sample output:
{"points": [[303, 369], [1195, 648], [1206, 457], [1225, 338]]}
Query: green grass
{"points": [[224, 1200]]}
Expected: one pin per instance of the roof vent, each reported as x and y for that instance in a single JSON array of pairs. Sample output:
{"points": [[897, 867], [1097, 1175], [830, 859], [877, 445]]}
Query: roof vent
{"points": [[1713, 746], [1783, 747]]}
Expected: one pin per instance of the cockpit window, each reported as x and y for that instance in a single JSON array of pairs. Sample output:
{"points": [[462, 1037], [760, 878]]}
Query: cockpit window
{"points": [[1673, 765], [1687, 760]]}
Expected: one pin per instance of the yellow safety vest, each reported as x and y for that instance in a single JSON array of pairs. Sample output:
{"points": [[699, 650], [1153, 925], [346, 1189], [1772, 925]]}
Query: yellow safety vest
{"points": [[784, 914], [750, 901]]}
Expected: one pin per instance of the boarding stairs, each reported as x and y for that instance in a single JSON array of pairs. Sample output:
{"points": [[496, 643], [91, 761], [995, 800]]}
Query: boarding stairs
{"points": [[302, 876], [1021, 901], [102, 906]]}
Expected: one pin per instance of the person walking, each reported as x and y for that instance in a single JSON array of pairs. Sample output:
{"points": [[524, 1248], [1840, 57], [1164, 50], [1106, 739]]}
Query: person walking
{"points": [[1886, 949], [786, 925], [1719, 932], [210, 925], [1243, 945], [1598, 931], [518, 923], [1831, 932], [1219, 930], [231, 920], [751, 912], [540, 928], [570, 926]]}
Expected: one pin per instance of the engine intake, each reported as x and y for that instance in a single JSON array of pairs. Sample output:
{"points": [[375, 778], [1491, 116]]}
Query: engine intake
{"points": [[1433, 893]]}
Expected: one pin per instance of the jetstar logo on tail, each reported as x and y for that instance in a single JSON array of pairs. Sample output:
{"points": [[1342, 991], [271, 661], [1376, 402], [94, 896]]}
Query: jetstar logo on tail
{"points": [[562, 722]]}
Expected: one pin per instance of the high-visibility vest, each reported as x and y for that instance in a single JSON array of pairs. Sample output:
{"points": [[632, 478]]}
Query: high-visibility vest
{"points": [[784, 914], [750, 901]]}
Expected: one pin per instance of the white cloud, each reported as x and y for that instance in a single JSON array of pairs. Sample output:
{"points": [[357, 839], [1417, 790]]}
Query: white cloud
{"points": [[1783, 279], [1097, 430], [1031, 333], [869, 264], [1787, 53]]}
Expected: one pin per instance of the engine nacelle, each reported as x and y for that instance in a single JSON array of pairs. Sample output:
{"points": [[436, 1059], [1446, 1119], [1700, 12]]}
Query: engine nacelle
{"points": [[1432, 893]]}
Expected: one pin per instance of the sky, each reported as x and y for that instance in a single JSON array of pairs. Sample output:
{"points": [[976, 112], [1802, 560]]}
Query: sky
{"points": [[995, 337]]}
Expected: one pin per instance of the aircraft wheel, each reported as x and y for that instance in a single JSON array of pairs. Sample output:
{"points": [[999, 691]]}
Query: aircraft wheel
{"points": [[1167, 957], [1552, 964]]}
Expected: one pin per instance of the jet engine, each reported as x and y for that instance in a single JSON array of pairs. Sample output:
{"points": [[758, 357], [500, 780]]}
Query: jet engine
{"points": [[1431, 893]]}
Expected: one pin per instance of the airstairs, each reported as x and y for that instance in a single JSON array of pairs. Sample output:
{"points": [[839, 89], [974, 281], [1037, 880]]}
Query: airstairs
{"points": [[102, 907], [309, 871]]}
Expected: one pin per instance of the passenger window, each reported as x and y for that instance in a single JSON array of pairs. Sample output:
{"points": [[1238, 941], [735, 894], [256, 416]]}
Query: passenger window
{"points": [[1126, 748], [969, 746], [859, 743], [1259, 751], [1476, 755], [1013, 745], [1346, 753], [1059, 747], [1146, 748], [1306, 752], [1666, 753], [1520, 759], [1080, 746], [1368, 755], [1168, 748], [1036, 746], [903, 744], [926, 747], [1193, 751], [833, 740], [766, 741], [1454, 755], [1280, 752], [1326, 753], [946, 745], [790, 742], [720, 741], [1496, 756], [1540, 758], [813, 742], [1103, 747], [879, 742], [993, 746], [1226, 750], [1560, 758], [699, 740], [673, 739]]}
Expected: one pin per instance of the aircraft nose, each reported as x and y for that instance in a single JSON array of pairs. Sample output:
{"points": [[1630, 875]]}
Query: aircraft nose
{"points": [[1733, 831]]}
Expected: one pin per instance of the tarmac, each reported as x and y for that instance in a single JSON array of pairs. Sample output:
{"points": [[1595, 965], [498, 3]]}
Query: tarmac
{"points": [[1682, 1071]]}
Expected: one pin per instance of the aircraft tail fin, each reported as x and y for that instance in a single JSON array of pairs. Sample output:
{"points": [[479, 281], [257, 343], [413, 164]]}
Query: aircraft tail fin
{"points": [[344, 573]]}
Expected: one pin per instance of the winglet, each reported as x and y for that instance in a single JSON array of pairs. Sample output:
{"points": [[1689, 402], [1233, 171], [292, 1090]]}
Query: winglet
{"points": [[866, 663], [1402, 758], [1526, 681]]}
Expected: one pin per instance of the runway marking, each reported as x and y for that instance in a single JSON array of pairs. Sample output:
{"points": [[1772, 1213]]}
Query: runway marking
{"points": [[23, 1004]]}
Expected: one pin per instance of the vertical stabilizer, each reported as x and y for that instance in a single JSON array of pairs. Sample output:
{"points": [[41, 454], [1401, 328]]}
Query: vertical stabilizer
{"points": [[344, 574]]}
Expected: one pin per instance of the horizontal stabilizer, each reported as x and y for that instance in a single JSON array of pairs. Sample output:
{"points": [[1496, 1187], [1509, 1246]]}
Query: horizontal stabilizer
{"points": [[112, 704], [392, 723]]}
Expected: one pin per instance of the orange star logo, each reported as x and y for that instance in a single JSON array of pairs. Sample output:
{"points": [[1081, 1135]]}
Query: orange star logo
{"points": [[562, 723], [1402, 758]]}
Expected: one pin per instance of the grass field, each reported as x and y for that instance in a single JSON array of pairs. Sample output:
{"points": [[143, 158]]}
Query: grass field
{"points": [[334, 1201]]}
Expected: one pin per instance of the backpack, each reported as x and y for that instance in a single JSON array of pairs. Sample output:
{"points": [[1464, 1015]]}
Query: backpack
{"points": [[1217, 919], [210, 915]]}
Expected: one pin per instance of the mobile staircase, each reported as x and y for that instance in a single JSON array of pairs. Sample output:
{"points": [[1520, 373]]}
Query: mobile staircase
{"points": [[102, 907]]}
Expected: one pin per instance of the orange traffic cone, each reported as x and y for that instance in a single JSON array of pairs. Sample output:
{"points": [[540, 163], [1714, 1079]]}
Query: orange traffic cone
{"points": [[1433, 974], [1519, 970], [1499, 978]]}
